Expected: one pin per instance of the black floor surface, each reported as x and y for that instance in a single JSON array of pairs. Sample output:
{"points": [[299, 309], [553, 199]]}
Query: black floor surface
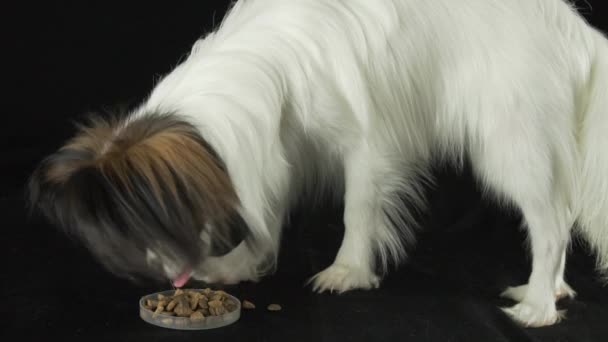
{"points": [[448, 291]]}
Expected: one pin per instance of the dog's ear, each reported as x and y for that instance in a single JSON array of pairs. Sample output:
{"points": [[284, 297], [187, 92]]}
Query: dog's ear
{"points": [[57, 183]]}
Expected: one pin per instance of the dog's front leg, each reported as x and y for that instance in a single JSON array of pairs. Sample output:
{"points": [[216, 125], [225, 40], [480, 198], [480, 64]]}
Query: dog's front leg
{"points": [[367, 229]]}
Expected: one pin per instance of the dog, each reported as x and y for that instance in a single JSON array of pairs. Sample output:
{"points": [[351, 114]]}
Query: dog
{"points": [[353, 98]]}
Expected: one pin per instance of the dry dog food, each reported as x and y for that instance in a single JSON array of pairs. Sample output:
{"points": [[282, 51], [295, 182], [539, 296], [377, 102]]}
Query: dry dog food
{"points": [[274, 307], [191, 303], [248, 305]]}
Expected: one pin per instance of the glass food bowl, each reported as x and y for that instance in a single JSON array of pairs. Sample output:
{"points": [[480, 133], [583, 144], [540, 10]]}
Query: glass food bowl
{"points": [[185, 323]]}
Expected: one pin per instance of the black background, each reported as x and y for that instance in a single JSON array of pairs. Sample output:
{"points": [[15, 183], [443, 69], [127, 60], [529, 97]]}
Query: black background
{"points": [[67, 58]]}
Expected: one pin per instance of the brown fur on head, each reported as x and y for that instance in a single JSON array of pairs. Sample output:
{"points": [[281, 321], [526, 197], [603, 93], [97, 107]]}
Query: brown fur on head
{"points": [[125, 187]]}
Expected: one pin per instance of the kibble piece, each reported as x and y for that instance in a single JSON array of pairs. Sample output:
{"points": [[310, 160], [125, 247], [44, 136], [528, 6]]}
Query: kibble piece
{"points": [[194, 293], [216, 308], [158, 311], [183, 309], [207, 291], [183, 306], [151, 303], [171, 305], [218, 297], [197, 316], [274, 307], [194, 300], [203, 304], [248, 305], [178, 292], [167, 320], [230, 305], [161, 297], [217, 311], [215, 304]]}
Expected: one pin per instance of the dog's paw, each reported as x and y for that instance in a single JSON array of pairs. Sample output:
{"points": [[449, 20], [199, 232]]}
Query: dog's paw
{"points": [[342, 278], [533, 316], [518, 293]]}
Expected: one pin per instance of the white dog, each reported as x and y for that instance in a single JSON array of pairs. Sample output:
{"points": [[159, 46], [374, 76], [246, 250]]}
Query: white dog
{"points": [[358, 97]]}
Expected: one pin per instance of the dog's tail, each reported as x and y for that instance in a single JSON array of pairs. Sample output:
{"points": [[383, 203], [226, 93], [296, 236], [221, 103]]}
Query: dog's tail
{"points": [[593, 196]]}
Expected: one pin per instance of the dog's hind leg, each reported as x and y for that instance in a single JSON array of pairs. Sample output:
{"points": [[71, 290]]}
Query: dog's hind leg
{"points": [[519, 165], [518, 293]]}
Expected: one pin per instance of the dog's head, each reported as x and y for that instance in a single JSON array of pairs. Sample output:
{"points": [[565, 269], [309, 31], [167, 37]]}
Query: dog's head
{"points": [[147, 196]]}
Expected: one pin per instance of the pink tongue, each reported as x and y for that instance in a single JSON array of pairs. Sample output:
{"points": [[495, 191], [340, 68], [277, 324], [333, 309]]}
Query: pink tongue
{"points": [[182, 279]]}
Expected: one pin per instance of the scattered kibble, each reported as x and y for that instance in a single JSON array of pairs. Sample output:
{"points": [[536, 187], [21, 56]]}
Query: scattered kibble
{"points": [[274, 307], [248, 305]]}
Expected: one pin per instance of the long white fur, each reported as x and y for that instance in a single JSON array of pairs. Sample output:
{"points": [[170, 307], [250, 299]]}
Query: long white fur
{"points": [[358, 97]]}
